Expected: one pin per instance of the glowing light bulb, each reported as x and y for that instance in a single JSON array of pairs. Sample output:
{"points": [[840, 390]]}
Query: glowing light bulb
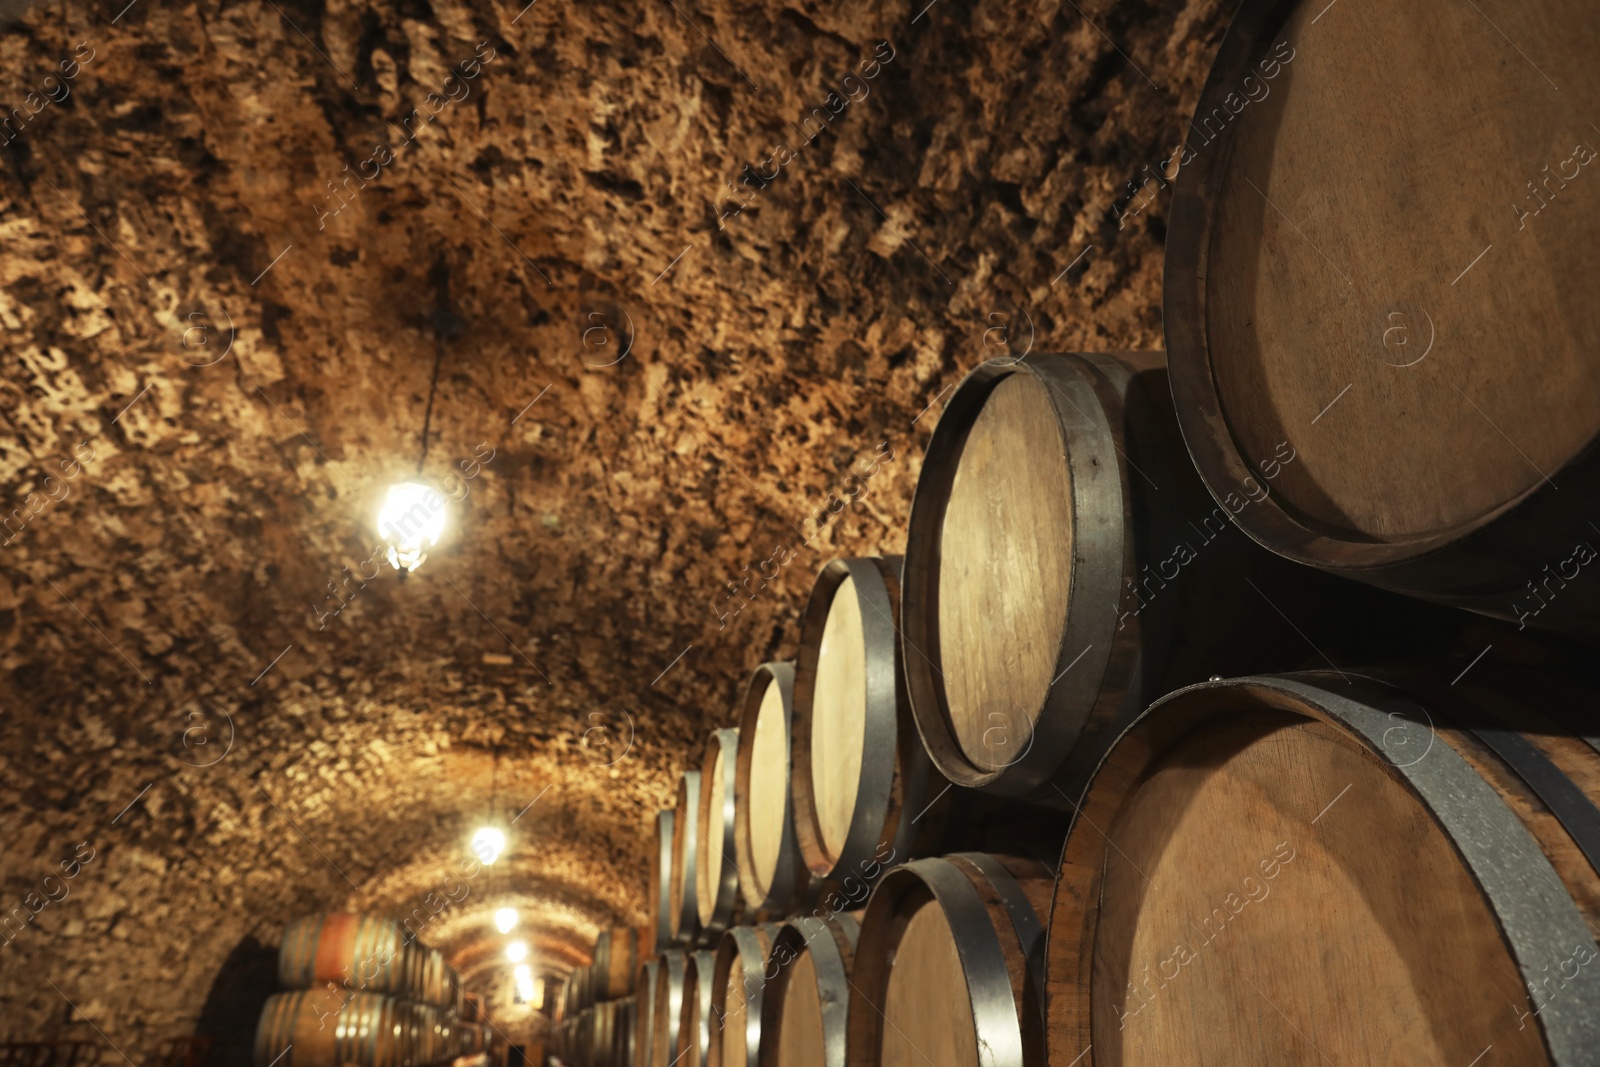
{"points": [[411, 522], [517, 951], [487, 844], [505, 920], [523, 973]]}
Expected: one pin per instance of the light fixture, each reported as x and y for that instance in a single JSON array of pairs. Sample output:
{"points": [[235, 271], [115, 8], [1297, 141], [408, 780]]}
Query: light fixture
{"points": [[517, 951], [523, 973], [410, 522], [412, 517], [505, 920], [487, 844]]}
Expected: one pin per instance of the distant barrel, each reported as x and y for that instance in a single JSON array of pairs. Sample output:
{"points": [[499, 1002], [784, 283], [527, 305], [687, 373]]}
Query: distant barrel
{"points": [[805, 1009], [683, 915], [1416, 375], [773, 877], [364, 953], [862, 780], [736, 991], [616, 959], [319, 1028], [716, 893]]}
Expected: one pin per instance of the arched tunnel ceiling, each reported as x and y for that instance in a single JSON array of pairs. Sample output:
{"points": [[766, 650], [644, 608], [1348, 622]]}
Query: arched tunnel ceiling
{"points": [[220, 374]]}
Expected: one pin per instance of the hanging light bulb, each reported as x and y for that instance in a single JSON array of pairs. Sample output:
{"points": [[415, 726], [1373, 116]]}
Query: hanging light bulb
{"points": [[517, 951], [487, 844], [410, 522], [523, 973], [505, 920]]}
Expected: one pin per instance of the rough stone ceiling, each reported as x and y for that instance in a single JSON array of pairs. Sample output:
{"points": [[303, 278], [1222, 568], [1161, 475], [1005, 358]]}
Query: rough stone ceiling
{"points": [[572, 202]]}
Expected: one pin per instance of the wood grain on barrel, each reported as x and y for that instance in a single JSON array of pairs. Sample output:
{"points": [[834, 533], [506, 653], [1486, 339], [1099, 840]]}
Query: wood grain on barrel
{"points": [[1004, 570], [800, 1037], [838, 716], [768, 800], [927, 1008], [1404, 950], [1357, 194], [714, 829]]}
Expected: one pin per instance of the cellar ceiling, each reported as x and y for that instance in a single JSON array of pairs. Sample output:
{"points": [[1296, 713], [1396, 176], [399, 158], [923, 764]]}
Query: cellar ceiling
{"points": [[237, 244]]}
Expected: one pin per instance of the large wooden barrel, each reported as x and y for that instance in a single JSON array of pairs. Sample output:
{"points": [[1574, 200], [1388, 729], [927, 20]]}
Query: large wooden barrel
{"points": [[772, 875], [667, 1013], [361, 952], [616, 959], [644, 1006], [863, 801], [659, 888], [716, 892], [1438, 847], [320, 1028], [683, 915], [737, 983], [950, 965], [1049, 599], [696, 1021], [805, 1010], [1364, 341]]}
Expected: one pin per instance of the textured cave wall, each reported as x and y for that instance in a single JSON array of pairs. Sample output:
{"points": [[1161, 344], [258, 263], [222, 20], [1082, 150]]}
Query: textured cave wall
{"points": [[220, 361]]}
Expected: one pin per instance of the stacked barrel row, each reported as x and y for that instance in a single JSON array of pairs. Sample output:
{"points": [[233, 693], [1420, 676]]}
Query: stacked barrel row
{"points": [[1122, 655], [362, 991], [596, 1022]]}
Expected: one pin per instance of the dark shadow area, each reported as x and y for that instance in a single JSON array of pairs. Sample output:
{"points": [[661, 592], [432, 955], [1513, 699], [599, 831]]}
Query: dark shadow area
{"points": [[233, 1005]]}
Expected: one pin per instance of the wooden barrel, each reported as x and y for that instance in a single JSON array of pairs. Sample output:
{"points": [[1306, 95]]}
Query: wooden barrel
{"points": [[1438, 846], [659, 888], [321, 1028], [863, 801], [805, 1010], [716, 892], [610, 1034], [1369, 342], [683, 914], [950, 965], [667, 1013], [695, 1020], [737, 982], [361, 952], [616, 959], [644, 1001], [1048, 601], [772, 875]]}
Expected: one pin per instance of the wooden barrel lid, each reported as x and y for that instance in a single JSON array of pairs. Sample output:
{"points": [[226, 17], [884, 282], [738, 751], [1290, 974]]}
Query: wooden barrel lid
{"points": [[1354, 267], [644, 985], [694, 1028], [668, 1011], [683, 911], [839, 715], [716, 872], [858, 762], [1252, 815], [1005, 571], [660, 890], [950, 959], [737, 985], [805, 1008], [1014, 616], [770, 873]]}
